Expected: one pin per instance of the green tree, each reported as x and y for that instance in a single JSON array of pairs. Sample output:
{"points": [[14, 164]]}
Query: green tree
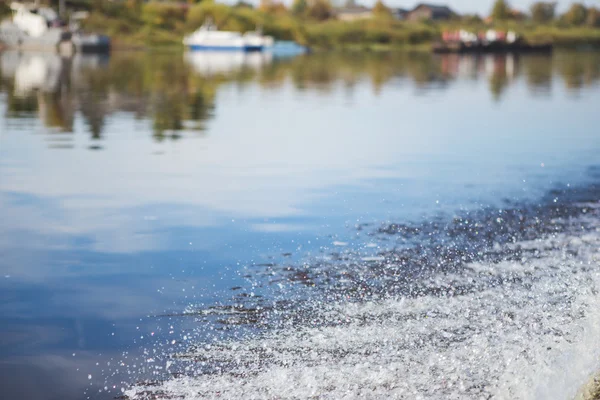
{"points": [[381, 10], [500, 11], [543, 12], [576, 15], [163, 15], [471, 19], [243, 4], [4, 9], [299, 8]]}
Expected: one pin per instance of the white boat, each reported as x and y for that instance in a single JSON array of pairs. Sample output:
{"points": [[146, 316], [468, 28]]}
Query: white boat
{"points": [[35, 27], [208, 37]]}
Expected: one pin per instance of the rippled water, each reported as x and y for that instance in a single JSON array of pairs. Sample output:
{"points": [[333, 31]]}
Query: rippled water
{"points": [[327, 226]]}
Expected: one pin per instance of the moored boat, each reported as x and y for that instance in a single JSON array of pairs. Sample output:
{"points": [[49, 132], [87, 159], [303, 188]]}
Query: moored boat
{"points": [[90, 43], [38, 28], [84, 42], [208, 37], [492, 48], [33, 29], [491, 41]]}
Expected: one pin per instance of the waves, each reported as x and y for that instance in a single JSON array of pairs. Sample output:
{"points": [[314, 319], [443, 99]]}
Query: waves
{"points": [[488, 304]]}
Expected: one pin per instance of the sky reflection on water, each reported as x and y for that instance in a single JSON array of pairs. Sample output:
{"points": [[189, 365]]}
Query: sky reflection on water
{"points": [[131, 188]]}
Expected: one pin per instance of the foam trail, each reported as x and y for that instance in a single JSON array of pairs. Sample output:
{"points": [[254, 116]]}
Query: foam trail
{"points": [[524, 324]]}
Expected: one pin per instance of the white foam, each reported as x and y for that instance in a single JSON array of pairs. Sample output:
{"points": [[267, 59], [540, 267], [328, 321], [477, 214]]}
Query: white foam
{"points": [[340, 244], [373, 258], [534, 334]]}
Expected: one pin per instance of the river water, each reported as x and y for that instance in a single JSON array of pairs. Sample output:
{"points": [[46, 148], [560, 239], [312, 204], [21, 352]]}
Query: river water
{"points": [[324, 226]]}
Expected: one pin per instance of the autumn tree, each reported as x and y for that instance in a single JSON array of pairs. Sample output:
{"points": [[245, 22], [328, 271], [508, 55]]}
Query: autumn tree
{"points": [[593, 17], [197, 15], [243, 4], [134, 5], [320, 9], [163, 15], [272, 7]]}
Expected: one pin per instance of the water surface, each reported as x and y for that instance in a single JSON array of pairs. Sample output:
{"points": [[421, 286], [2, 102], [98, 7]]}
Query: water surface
{"points": [[138, 186]]}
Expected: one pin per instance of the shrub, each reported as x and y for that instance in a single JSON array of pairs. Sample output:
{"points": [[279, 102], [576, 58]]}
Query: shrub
{"points": [[163, 15], [198, 14]]}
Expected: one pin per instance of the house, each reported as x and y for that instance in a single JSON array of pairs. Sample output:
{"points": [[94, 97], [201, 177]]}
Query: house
{"points": [[430, 12], [353, 13]]}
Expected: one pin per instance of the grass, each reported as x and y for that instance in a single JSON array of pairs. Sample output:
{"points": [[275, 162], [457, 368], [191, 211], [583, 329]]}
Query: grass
{"points": [[566, 37]]}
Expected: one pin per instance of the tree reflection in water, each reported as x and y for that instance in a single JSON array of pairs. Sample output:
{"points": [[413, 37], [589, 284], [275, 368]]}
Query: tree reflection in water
{"points": [[177, 93]]}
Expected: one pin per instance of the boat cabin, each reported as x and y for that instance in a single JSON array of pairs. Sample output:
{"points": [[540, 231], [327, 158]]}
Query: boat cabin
{"points": [[33, 20]]}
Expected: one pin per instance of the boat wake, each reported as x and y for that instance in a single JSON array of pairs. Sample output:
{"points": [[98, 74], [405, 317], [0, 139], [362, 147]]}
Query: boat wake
{"points": [[493, 304]]}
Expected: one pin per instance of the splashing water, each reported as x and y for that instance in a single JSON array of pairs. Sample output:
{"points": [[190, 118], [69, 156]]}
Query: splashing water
{"points": [[497, 304]]}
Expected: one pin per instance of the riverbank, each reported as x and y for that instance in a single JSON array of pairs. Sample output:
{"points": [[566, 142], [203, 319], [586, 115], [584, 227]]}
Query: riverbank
{"points": [[325, 42], [162, 25]]}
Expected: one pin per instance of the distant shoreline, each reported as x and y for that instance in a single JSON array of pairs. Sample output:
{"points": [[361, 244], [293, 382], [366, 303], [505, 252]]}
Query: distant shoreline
{"points": [[160, 24], [137, 25], [349, 48], [567, 42]]}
